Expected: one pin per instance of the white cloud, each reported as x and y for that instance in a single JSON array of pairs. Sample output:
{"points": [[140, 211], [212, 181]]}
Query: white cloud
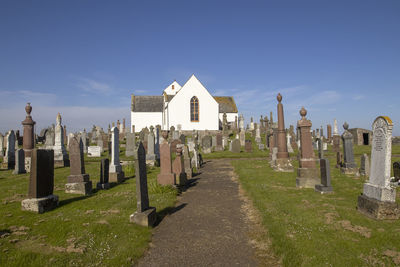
{"points": [[92, 86], [358, 97]]}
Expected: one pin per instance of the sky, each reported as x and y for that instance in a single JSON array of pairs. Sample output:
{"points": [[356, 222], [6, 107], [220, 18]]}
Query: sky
{"points": [[84, 58]]}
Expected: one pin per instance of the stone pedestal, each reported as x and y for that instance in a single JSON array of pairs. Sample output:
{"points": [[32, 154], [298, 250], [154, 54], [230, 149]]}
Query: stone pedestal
{"points": [[28, 124], [376, 209], [116, 177], [146, 218], [350, 170], [83, 188], [40, 205], [323, 189], [307, 177], [283, 165]]}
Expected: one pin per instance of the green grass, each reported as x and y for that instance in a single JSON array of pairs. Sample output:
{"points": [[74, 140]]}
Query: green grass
{"points": [[309, 229], [96, 227]]}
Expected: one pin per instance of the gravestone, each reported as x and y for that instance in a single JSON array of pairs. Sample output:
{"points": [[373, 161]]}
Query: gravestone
{"points": [[144, 215], [191, 146], [364, 166], [218, 140], [242, 137], [104, 169], [258, 134], [28, 139], [116, 174], [178, 167], [206, 144], [338, 159], [60, 153], [49, 141], [396, 171], [1, 145], [9, 159], [325, 186], [289, 143], [85, 141], [100, 143], [175, 135], [235, 146], [213, 142], [349, 165], [19, 162], [41, 182], [195, 159], [157, 144], [320, 148], [187, 162], [274, 155], [261, 146], [182, 138], [150, 156], [378, 200], [336, 137], [78, 181], [224, 142], [94, 151], [165, 177], [130, 144], [248, 147]]}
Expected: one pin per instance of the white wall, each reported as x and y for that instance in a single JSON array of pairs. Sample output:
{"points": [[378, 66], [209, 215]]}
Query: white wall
{"points": [[170, 91], [229, 116], [179, 107], [145, 119]]}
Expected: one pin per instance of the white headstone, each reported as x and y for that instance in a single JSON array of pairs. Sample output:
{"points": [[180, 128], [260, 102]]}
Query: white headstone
{"points": [[115, 166], [335, 128], [378, 186], [94, 151]]}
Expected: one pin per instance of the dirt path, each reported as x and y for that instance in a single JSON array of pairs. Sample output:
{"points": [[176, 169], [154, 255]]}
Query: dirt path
{"points": [[208, 227]]}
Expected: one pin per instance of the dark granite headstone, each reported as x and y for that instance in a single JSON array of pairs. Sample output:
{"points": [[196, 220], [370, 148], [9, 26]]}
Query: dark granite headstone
{"points": [[396, 171], [41, 182], [19, 162], [104, 169], [325, 186]]}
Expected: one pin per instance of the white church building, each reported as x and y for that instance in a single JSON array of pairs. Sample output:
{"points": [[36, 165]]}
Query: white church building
{"points": [[190, 106]]}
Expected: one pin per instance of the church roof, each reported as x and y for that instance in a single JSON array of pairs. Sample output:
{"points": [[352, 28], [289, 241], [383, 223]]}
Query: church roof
{"points": [[145, 103], [226, 104]]}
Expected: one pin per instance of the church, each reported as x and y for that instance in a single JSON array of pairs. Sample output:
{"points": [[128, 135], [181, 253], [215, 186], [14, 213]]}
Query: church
{"points": [[188, 107]]}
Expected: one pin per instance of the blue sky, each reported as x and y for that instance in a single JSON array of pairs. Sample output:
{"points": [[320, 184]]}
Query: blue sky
{"points": [[338, 59]]}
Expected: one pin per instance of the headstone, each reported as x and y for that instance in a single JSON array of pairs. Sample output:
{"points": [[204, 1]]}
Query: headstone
{"points": [[28, 124], [224, 141], [242, 137], [94, 151], [130, 144], [307, 173], [219, 144], [325, 186], [349, 166], [258, 134], [191, 146], [289, 144], [329, 132], [144, 215], [213, 142], [241, 123], [206, 144], [84, 141], [1, 145], [320, 148], [165, 177], [195, 159], [116, 174], [100, 143], [60, 153], [364, 166], [182, 137], [78, 182], [235, 147], [178, 167], [104, 170], [41, 182], [19, 162], [187, 162], [150, 156], [282, 163], [378, 200], [49, 141], [335, 138], [9, 159], [338, 159], [261, 146], [175, 135], [174, 143], [248, 147], [396, 171]]}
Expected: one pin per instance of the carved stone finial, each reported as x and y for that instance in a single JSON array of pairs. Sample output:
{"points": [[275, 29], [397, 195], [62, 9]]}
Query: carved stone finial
{"points": [[28, 109], [279, 97], [346, 126], [303, 113]]}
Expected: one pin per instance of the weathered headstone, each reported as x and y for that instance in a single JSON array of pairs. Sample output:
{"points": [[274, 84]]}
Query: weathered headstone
{"points": [[289, 143], [219, 144], [104, 170], [242, 137], [320, 148], [349, 165], [396, 171], [60, 153], [336, 137], [94, 151], [187, 162], [144, 215], [130, 144], [41, 182], [178, 167], [78, 181], [379, 198], [1, 145], [307, 173], [150, 156], [116, 174], [19, 162], [206, 144], [9, 159], [182, 137], [248, 147], [165, 177], [325, 186], [364, 166], [235, 146]]}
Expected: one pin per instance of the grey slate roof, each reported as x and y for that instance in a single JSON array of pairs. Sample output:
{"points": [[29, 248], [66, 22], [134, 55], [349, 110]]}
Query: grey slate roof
{"points": [[144, 103]]}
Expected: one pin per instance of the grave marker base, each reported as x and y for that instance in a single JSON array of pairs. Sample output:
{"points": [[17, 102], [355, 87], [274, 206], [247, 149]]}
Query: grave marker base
{"points": [[323, 189], [166, 179], [116, 177], [307, 178], [379, 210], [40, 205], [83, 188], [146, 218], [103, 186], [283, 165]]}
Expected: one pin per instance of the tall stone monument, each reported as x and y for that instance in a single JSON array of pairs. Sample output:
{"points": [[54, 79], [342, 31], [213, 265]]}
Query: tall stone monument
{"points": [[60, 153], [282, 162], [78, 182], [116, 174], [144, 215], [29, 132], [349, 165], [165, 177], [9, 159], [335, 138], [378, 200], [178, 167], [307, 173], [41, 182]]}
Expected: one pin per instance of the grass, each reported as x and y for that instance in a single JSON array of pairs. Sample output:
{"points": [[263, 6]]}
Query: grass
{"points": [[309, 229], [82, 231]]}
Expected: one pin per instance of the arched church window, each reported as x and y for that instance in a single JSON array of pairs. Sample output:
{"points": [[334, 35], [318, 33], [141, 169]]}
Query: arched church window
{"points": [[194, 109]]}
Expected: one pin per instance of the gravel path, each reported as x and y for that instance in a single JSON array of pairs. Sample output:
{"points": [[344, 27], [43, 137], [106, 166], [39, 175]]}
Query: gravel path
{"points": [[207, 226]]}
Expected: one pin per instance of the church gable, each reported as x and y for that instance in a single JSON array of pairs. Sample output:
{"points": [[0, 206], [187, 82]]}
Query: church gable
{"points": [[173, 88]]}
